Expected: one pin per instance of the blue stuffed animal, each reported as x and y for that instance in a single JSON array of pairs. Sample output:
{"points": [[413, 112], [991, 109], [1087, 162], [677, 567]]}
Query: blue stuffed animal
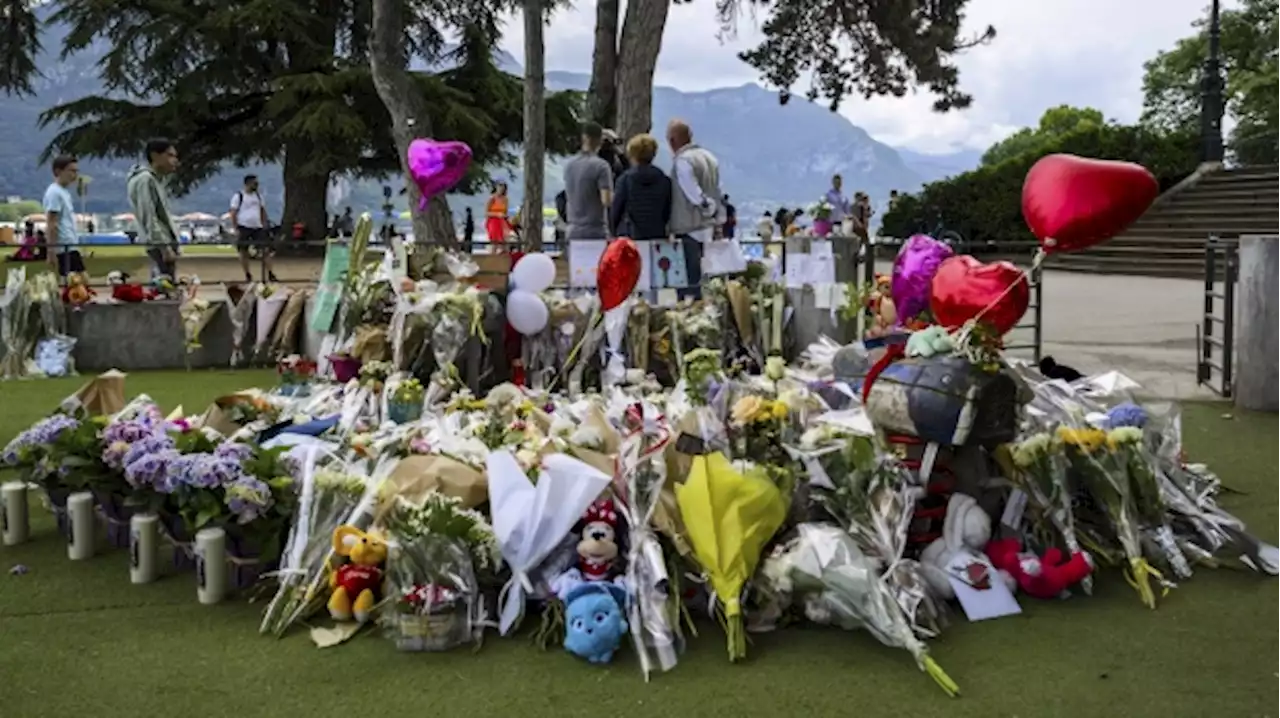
{"points": [[595, 620]]}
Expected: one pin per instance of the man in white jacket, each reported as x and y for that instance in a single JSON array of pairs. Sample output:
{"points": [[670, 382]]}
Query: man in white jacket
{"points": [[696, 209]]}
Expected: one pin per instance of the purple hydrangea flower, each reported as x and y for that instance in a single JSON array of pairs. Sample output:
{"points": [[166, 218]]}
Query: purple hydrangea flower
{"points": [[128, 432], [151, 470], [231, 450], [41, 434], [248, 499], [1127, 414]]}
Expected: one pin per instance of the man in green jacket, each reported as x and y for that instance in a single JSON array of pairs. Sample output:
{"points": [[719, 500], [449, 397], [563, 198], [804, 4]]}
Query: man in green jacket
{"points": [[150, 202]]}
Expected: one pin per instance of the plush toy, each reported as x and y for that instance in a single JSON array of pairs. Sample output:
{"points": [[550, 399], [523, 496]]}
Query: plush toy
{"points": [[966, 529], [598, 549], [122, 290], [930, 341], [356, 585], [884, 313], [1040, 577], [77, 292], [595, 619]]}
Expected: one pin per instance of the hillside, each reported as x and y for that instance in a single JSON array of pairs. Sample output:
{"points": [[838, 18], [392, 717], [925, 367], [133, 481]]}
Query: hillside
{"points": [[770, 154]]}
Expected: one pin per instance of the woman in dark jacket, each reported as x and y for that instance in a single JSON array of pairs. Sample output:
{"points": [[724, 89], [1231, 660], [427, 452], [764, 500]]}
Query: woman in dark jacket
{"points": [[642, 197]]}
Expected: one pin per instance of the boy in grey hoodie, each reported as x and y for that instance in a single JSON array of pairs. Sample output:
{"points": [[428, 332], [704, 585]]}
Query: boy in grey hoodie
{"points": [[150, 202]]}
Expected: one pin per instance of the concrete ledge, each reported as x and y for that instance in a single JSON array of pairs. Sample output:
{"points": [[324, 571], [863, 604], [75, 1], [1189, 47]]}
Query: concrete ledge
{"points": [[148, 335]]}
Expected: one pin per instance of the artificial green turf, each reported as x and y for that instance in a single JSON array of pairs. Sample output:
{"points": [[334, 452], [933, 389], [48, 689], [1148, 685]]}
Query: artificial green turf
{"points": [[80, 640]]}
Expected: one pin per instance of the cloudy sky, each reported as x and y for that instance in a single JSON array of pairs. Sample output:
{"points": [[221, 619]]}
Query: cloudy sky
{"points": [[1046, 53]]}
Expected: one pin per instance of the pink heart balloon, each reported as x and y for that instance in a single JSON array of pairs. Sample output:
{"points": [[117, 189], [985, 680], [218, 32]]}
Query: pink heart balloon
{"points": [[437, 166]]}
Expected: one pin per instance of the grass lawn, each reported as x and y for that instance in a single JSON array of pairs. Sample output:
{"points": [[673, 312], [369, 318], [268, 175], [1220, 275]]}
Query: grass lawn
{"points": [[80, 640], [100, 260]]}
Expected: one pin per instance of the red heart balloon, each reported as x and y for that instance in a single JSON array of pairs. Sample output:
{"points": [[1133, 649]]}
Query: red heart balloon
{"points": [[618, 272], [965, 288], [1071, 202]]}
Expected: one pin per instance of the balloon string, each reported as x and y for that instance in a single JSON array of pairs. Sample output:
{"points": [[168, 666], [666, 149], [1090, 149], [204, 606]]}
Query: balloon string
{"points": [[962, 338]]}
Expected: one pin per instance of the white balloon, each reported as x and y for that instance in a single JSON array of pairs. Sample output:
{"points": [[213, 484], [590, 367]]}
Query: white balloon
{"points": [[527, 312], [534, 273]]}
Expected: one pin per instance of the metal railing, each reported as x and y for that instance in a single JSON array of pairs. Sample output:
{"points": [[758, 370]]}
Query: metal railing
{"points": [[1215, 337]]}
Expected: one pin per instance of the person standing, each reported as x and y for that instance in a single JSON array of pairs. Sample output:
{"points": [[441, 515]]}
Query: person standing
{"points": [[642, 204], [588, 188], [861, 219], [765, 228], [60, 218], [695, 209], [730, 219], [495, 216], [468, 228], [150, 203], [781, 221], [346, 224], [840, 207], [249, 222]]}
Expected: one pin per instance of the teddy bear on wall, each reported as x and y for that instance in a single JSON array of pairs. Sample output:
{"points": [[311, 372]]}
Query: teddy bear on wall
{"points": [[356, 585]]}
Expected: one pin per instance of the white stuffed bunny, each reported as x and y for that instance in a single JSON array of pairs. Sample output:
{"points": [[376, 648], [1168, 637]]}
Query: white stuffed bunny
{"points": [[967, 529]]}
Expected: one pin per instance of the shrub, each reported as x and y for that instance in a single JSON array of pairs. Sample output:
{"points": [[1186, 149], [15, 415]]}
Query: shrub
{"points": [[985, 204]]}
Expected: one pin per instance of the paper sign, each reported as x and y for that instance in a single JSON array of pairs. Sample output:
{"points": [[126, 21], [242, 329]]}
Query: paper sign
{"points": [[797, 270], [645, 282], [722, 256], [822, 296], [333, 275], [993, 601], [584, 258], [668, 263], [1013, 509], [667, 298], [820, 249]]}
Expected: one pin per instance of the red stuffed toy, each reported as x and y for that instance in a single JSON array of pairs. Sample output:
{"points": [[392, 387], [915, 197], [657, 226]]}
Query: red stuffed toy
{"points": [[1044, 577], [122, 290]]}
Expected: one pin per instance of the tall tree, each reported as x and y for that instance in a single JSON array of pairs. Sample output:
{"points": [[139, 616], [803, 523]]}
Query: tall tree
{"points": [[860, 47], [848, 47], [535, 123], [1054, 123], [242, 81], [1171, 84], [602, 100]]}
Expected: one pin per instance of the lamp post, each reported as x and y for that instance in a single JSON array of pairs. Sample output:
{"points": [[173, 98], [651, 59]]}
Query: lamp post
{"points": [[1211, 86]]}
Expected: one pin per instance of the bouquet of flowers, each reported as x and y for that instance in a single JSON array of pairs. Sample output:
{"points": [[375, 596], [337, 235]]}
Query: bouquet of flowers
{"points": [[1042, 474], [758, 430], [431, 575], [456, 317], [328, 497], [196, 313], [31, 314], [820, 209], [1104, 473], [872, 496], [374, 375], [837, 583]]}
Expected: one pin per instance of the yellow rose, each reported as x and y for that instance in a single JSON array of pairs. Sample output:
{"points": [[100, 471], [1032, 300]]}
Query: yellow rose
{"points": [[746, 409], [779, 410]]}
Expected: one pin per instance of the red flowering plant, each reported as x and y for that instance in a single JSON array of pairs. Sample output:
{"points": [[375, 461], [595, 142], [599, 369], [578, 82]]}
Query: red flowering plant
{"points": [[295, 369]]}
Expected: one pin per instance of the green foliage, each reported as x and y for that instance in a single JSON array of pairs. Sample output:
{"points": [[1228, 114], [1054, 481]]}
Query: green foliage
{"points": [[859, 47], [243, 81], [986, 204], [15, 211], [1054, 123], [1171, 86]]}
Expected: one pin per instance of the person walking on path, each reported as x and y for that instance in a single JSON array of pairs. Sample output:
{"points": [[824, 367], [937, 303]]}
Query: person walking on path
{"points": [[150, 203], [60, 218], [249, 222], [588, 188], [642, 204], [496, 225], [696, 211]]}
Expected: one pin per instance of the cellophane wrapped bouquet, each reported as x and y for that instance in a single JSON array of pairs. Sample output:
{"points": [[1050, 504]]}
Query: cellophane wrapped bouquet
{"points": [[33, 327], [433, 600], [329, 494]]}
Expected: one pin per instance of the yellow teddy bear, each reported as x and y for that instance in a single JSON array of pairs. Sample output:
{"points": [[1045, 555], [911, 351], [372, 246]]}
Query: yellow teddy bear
{"points": [[356, 584]]}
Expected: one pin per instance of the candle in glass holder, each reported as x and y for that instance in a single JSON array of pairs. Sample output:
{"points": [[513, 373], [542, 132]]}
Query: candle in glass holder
{"points": [[144, 536], [84, 526], [13, 513], [211, 565]]}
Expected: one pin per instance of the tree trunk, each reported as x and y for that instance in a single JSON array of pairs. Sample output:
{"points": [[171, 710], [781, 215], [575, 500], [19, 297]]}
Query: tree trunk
{"points": [[535, 124], [637, 58], [603, 92], [409, 116], [304, 193]]}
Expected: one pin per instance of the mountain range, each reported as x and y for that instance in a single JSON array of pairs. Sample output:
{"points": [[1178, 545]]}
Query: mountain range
{"points": [[771, 155]]}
